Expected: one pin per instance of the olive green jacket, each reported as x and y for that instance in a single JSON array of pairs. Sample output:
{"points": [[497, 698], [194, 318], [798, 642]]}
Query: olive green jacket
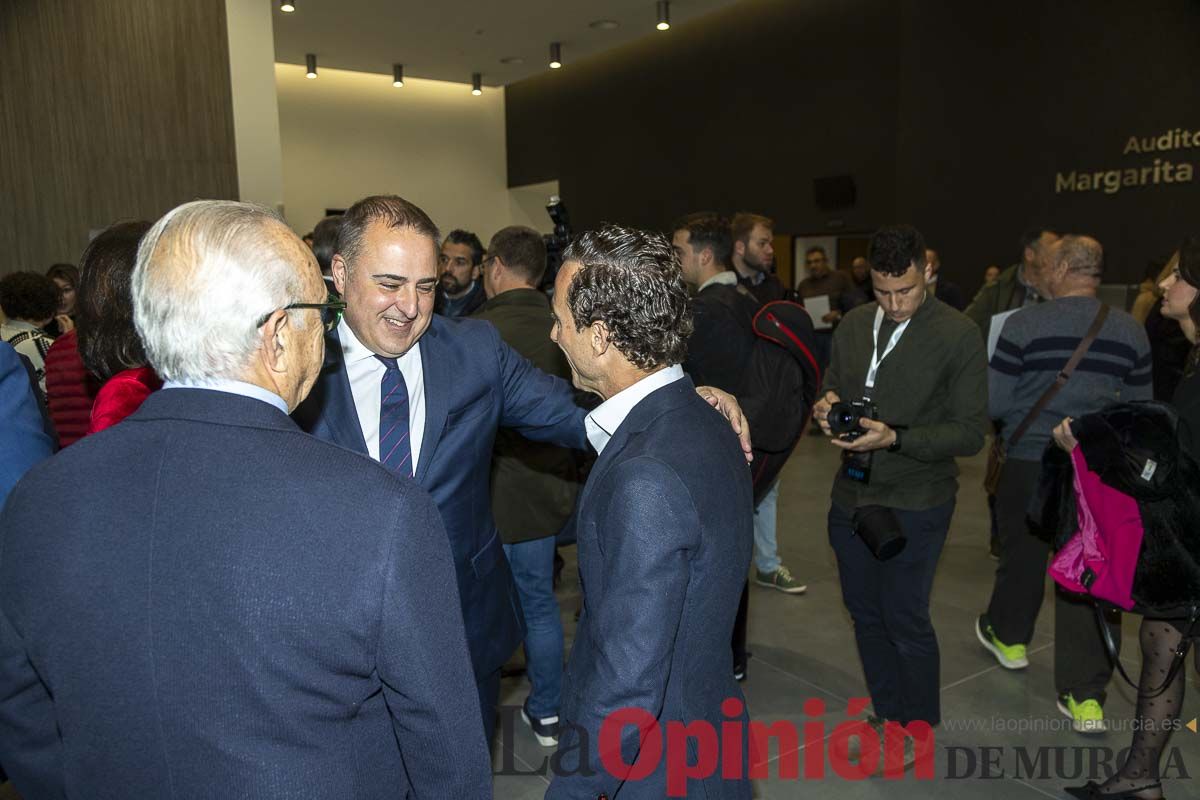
{"points": [[932, 386], [534, 484], [1005, 294]]}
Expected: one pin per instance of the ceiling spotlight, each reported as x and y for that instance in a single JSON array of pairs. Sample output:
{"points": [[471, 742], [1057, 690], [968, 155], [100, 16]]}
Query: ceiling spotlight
{"points": [[310, 61], [555, 55], [397, 75], [664, 15], [287, 6], [476, 84]]}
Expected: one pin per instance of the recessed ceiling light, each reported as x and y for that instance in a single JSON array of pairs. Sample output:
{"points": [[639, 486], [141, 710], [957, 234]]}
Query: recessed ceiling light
{"points": [[604, 24], [664, 15], [512, 60]]}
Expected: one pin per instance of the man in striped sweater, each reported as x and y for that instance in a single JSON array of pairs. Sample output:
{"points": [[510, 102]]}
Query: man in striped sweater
{"points": [[1033, 348]]}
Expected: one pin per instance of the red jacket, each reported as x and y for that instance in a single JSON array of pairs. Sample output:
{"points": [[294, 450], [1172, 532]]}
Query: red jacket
{"points": [[121, 395], [70, 389]]}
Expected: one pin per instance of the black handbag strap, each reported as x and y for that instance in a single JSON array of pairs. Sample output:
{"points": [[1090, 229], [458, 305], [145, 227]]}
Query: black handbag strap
{"points": [[1061, 379], [1176, 663]]}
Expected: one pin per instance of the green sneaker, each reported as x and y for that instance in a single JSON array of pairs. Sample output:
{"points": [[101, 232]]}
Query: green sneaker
{"points": [[1010, 656], [1086, 717], [780, 579]]}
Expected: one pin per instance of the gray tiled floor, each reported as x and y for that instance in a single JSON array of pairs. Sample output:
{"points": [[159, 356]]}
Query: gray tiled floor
{"points": [[804, 647]]}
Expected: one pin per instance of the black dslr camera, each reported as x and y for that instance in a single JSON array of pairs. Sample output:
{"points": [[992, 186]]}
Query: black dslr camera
{"points": [[843, 418]]}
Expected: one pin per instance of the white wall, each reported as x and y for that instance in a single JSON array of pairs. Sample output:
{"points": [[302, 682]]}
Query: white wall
{"points": [[347, 135], [255, 111]]}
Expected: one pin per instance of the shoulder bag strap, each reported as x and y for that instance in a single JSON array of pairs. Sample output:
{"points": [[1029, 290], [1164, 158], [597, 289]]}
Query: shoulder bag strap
{"points": [[1061, 379], [1176, 662]]}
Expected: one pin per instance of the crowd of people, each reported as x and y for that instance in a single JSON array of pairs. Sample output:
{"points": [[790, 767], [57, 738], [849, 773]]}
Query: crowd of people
{"points": [[280, 511]]}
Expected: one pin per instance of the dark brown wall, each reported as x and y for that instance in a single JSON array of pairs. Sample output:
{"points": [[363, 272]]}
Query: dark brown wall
{"points": [[952, 116], [109, 110]]}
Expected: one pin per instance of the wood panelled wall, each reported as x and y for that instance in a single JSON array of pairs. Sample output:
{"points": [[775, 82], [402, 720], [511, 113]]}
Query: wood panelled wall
{"points": [[109, 110]]}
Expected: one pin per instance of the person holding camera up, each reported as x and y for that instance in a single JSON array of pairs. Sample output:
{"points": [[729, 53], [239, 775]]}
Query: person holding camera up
{"points": [[905, 394]]}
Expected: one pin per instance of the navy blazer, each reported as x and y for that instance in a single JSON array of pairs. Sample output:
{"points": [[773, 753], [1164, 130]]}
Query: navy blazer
{"points": [[665, 534], [474, 384], [188, 611], [23, 439]]}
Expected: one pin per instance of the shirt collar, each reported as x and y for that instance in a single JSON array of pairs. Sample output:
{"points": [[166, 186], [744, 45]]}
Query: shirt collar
{"points": [[603, 422], [353, 350], [231, 387], [726, 278]]}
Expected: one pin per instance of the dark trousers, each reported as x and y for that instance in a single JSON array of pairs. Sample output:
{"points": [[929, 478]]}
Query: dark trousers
{"points": [[489, 698], [739, 627], [889, 603], [1081, 664]]}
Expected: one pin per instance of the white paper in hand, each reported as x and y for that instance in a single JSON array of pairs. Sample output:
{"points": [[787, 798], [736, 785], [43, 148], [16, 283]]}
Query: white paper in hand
{"points": [[994, 327], [817, 307]]}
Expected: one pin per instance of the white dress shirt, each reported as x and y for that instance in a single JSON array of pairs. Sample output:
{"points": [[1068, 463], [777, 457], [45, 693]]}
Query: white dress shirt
{"points": [[604, 420], [232, 387], [365, 372]]}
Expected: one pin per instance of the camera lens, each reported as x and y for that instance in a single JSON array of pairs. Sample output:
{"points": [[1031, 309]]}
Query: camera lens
{"points": [[842, 418]]}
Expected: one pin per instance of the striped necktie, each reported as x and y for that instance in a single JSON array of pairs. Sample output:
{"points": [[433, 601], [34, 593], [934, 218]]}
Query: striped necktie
{"points": [[395, 452]]}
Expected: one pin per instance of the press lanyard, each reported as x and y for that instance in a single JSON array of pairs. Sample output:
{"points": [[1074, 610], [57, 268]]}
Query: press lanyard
{"points": [[877, 359]]}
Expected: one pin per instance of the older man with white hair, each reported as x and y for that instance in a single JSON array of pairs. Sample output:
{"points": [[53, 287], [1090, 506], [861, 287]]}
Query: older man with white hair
{"points": [[186, 610]]}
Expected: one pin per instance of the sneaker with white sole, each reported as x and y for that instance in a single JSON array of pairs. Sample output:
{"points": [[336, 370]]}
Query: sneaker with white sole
{"points": [[780, 579], [1086, 717], [545, 729], [1010, 656]]}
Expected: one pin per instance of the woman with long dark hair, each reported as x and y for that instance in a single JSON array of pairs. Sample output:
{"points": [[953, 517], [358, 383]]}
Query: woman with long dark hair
{"points": [[1158, 707], [108, 343]]}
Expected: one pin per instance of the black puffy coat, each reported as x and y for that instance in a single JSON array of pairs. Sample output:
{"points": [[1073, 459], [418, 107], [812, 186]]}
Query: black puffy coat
{"points": [[1136, 448]]}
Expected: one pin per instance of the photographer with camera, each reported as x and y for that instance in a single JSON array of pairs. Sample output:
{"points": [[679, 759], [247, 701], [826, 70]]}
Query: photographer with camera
{"points": [[905, 394]]}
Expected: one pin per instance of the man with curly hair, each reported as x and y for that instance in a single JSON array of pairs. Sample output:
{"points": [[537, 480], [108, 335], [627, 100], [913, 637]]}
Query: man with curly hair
{"points": [[663, 525]]}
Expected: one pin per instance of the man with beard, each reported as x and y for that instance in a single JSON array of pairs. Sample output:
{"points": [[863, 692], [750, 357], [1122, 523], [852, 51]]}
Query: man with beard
{"points": [[460, 290], [754, 256]]}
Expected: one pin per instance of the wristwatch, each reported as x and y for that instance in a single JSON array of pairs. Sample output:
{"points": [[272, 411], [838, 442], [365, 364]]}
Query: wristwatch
{"points": [[894, 447]]}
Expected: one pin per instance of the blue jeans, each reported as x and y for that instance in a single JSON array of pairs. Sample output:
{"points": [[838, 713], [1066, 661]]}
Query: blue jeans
{"points": [[532, 565], [766, 552]]}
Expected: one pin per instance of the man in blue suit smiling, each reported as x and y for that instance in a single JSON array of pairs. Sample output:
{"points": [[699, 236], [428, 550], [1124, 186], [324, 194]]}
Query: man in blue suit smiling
{"points": [[425, 395], [664, 533]]}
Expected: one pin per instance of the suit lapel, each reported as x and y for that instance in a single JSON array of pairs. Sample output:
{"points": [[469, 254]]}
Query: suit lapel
{"points": [[339, 410], [437, 397], [611, 450]]}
